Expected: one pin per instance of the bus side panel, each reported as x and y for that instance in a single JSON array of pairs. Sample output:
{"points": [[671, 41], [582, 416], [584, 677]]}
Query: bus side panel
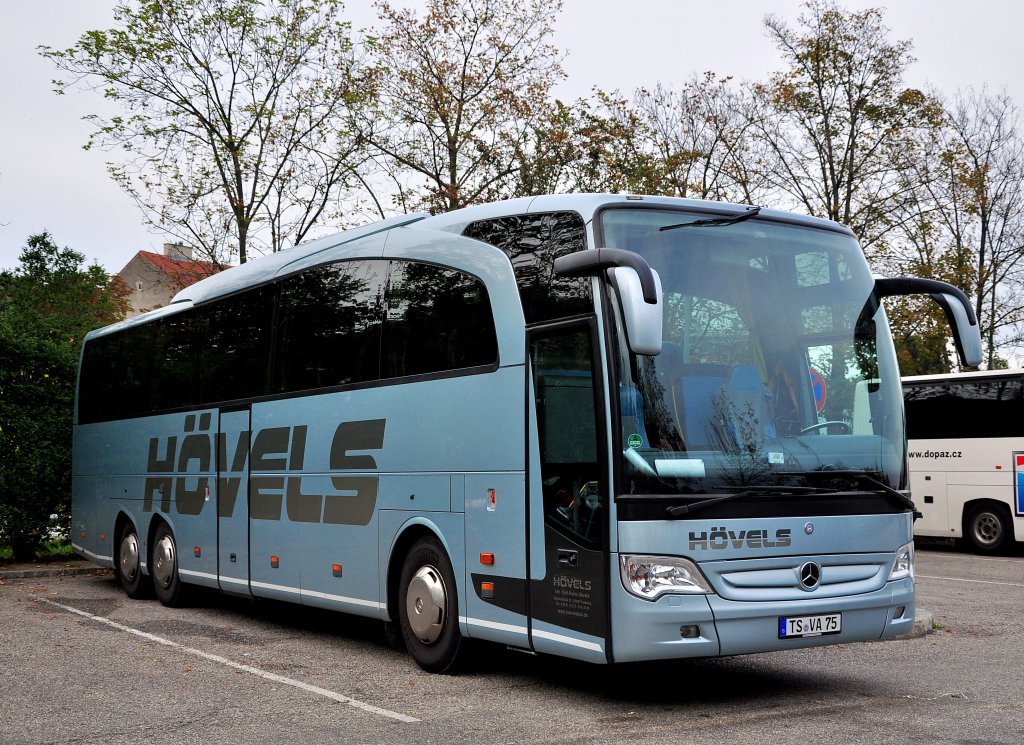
{"points": [[233, 502], [495, 531], [83, 516], [928, 489], [275, 562], [338, 559], [115, 495], [85, 469], [193, 515], [971, 489], [112, 458], [159, 465]]}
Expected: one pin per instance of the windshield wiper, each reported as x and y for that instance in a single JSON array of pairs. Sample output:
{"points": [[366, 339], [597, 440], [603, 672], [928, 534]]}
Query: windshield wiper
{"points": [[896, 496], [765, 490], [713, 221], [865, 477]]}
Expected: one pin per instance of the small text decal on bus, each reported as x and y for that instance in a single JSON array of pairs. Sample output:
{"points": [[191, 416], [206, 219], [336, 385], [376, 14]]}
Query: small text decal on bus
{"points": [[721, 539], [277, 450]]}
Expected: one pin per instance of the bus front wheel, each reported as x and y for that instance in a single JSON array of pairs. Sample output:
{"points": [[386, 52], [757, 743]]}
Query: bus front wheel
{"points": [[428, 607], [128, 566], [164, 568], [987, 528]]}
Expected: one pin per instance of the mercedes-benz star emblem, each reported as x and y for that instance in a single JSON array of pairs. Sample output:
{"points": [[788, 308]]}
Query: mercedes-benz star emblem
{"points": [[810, 575], [808, 528]]}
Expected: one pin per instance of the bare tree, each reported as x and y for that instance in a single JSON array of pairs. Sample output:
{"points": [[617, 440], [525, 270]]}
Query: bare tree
{"points": [[460, 89], [983, 209], [702, 134], [235, 113], [832, 121]]}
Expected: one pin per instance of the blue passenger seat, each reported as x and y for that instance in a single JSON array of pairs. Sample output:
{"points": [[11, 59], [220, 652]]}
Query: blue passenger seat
{"points": [[698, 386], [747, 396]]}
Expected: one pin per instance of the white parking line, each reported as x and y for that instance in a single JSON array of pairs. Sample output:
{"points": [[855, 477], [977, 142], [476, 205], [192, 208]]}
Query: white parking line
{"points": [[981, 581], [237, 666]]}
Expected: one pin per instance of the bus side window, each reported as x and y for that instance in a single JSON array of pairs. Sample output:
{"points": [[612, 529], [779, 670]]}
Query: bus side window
{"points": [[532, 242], [438, 320], [234, 362], [329, 326]]}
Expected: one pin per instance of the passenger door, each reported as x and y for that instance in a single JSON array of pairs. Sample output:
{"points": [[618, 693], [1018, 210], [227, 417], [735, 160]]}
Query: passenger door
{"points": [[233, 500], [568, 495]]}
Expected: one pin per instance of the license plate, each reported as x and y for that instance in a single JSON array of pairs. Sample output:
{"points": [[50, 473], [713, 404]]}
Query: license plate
{"points": [[793, 627]]}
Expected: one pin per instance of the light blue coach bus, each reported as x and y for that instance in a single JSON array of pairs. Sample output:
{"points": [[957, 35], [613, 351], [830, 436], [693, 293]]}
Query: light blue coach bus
{"points": [[613, 428]]}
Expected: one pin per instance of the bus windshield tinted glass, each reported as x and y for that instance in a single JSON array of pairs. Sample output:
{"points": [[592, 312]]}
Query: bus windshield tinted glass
{"points": [[777, 367]]}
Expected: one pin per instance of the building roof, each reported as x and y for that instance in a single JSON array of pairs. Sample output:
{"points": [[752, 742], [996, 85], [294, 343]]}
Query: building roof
{"points": [[180, 273]]}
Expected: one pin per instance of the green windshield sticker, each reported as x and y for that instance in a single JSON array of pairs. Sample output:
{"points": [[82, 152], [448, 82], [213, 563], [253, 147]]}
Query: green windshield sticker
{"points": [[635, 441]]}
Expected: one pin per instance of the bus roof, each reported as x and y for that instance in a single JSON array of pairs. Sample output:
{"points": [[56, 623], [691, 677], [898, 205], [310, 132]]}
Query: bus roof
{"points": [[266, 268], [589, 204]]}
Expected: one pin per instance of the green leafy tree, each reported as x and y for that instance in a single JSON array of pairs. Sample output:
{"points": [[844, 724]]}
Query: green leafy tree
{"points": [[235, 115], [47, 305]]}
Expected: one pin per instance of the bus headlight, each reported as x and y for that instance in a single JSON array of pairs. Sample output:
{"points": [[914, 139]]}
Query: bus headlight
{"points": [[903, 566], [649, 577]]}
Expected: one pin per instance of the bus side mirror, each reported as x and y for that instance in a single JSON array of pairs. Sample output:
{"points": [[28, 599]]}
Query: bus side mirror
{"points": [[638, 288], [953, 301], [642, 319]]}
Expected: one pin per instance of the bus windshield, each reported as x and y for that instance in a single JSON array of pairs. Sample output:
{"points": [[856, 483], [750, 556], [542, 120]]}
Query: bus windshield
{"points": [[777, 368]]}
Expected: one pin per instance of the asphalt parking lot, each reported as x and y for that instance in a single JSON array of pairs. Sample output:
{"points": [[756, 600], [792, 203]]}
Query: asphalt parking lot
{"points": [[83, 663]]}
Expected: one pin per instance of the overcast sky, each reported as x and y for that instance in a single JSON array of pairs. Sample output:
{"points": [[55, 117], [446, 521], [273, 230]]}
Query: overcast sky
{"points": [[47, 182]]}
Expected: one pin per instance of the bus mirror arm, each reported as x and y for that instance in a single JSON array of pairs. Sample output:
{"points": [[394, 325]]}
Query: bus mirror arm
{"points": [[637, 286], [953, 301], [590, 262]]}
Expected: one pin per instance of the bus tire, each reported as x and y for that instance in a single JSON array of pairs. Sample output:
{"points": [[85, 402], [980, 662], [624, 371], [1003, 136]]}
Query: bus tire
{"points": [[987, 528], [428, 607], [164, 569], [128, 564]]}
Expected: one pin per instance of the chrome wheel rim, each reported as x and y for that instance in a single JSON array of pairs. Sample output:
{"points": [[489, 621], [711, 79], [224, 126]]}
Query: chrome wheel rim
{"points": [[426, 604], [163, 561], [129, 557], [987, 528]]}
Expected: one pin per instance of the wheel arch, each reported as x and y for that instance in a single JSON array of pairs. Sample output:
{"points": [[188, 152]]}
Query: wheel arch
{"points": [[971, 506], [974, 503], [154, 525], [405, 537], [123, 518]]}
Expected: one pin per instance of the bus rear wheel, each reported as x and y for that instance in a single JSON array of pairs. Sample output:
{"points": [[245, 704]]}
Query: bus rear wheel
{"points": [[128, 565], [428, 607], [164, 568], [987, 528]]}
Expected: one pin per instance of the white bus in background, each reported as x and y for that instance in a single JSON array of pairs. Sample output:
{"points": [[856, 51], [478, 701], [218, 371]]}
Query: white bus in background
{"points": [[965, 435]]}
